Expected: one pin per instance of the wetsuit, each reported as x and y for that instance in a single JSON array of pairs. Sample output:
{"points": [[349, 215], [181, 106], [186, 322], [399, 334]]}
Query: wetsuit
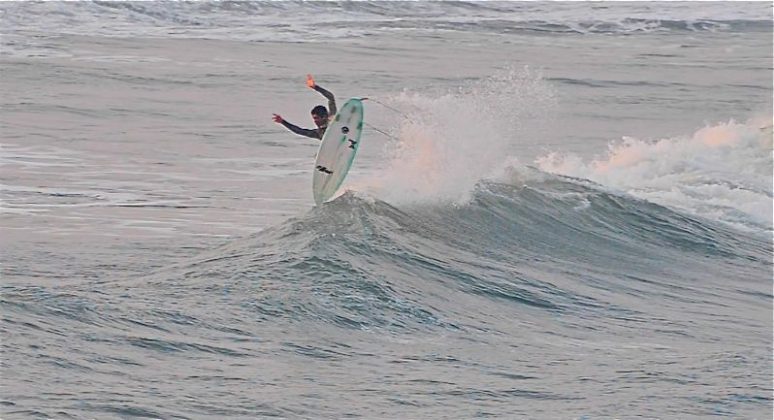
{"points": [[315, 133]]}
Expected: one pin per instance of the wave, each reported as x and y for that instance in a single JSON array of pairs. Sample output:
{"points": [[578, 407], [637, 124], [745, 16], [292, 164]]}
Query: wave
{"points": [[544, 242], [540, 264]]}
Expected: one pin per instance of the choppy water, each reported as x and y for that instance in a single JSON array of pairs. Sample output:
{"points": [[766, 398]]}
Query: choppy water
{"points": [[570, 215]]}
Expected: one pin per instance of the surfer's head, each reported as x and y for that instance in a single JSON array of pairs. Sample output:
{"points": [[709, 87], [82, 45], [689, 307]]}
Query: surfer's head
{"points": [[320, 115]]}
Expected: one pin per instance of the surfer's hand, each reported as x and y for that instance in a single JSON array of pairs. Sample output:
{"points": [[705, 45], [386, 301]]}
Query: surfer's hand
{"points": [[310, 81], [277, 118]]}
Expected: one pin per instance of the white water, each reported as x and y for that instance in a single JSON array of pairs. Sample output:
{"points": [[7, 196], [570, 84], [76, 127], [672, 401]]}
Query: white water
{"points": [[443, 144], [722, 171]]}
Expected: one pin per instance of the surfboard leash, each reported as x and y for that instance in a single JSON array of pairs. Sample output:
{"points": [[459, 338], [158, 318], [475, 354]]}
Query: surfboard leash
{"points": [[376, 129]]}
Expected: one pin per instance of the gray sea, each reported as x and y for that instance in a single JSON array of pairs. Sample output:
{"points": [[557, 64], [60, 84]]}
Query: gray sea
{"points": [[558, 211]]}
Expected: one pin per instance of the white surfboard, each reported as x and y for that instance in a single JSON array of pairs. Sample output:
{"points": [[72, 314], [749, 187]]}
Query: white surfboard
{"points": [[337, 151]]}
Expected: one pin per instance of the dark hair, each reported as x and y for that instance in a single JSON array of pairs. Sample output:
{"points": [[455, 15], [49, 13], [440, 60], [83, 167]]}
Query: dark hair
{"points": [[320, 110]]}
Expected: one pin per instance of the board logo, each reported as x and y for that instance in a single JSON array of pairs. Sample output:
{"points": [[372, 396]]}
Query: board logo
{"points": [[345, 129]]}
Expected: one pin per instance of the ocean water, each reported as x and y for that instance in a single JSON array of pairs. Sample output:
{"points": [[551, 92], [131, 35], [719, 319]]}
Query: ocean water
{"points": [[558, 210]]}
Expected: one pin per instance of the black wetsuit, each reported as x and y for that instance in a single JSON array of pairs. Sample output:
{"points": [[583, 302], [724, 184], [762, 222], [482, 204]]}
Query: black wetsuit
{"points": [[315, 133]]}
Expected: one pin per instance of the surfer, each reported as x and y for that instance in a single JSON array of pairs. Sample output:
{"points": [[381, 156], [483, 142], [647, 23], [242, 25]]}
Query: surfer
{"points": [[320, 114]]}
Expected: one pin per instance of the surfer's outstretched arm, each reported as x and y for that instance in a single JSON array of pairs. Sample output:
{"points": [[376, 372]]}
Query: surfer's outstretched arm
{"points": [[296, 129], [328, 95]]}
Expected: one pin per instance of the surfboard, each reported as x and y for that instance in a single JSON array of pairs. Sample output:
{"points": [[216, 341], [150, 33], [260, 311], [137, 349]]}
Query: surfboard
{"points": [[337, 150]]}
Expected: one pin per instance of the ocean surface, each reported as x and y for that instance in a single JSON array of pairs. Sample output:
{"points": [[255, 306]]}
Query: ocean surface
{"points": [[558, 211]]}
